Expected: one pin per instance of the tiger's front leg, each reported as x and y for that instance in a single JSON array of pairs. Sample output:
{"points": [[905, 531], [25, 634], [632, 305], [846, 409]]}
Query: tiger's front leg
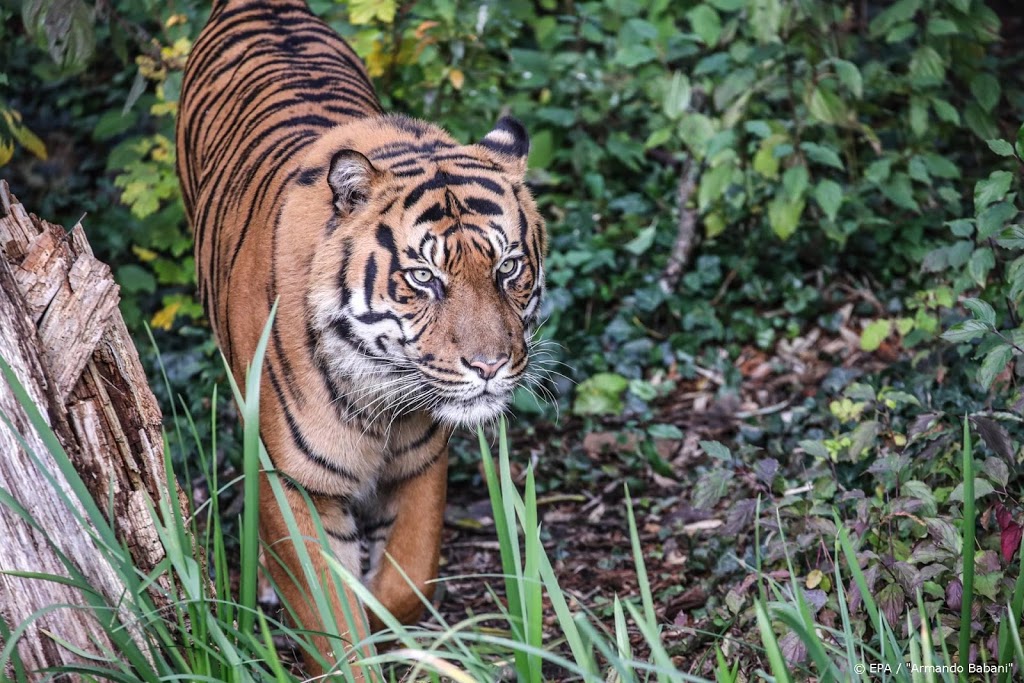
{"points": [[414, 543], [289, 573]]}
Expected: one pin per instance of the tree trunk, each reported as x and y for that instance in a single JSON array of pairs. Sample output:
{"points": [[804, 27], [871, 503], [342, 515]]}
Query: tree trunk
{"points": [[62, 335]]}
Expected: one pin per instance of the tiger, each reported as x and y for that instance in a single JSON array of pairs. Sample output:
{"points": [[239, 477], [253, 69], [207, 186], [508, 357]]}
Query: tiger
{"points": [[408, 270]]}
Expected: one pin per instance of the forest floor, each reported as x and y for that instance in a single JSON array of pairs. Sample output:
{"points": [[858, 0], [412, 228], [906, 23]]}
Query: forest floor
{"points": [[695, 556]]}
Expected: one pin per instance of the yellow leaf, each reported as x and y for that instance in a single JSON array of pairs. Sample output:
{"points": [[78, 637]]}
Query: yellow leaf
{"points": [[145, 255], [164, 318], [457, 78], [175, 19], [6, 151], [814, 578], [377, 60]]}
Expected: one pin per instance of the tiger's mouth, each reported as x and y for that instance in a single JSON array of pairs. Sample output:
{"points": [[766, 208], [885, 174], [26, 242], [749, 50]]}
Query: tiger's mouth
{"points": [[473, 411]]}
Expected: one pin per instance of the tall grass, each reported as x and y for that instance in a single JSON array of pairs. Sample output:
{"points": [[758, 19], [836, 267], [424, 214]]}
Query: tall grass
{"points": [[192, 625]]}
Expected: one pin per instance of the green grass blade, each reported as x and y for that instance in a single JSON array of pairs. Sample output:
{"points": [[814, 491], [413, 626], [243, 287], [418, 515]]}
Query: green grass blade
{"points": [[966, 633], [250, 541], [778, 665]]}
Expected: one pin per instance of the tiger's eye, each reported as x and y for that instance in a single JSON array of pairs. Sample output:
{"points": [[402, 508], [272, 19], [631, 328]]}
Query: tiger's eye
{"points": [[422, 275], [508, 266]]}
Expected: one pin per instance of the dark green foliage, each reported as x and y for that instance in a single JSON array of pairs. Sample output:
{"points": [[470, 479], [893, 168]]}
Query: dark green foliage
{"points": [[854, 166]]}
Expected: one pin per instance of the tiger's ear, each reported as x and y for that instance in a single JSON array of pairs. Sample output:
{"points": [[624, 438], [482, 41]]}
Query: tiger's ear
{"points": [[510, 143], [351, 176]]}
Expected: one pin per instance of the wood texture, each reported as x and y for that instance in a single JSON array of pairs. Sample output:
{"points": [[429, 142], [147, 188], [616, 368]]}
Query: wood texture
{"points": [[62, 334]]}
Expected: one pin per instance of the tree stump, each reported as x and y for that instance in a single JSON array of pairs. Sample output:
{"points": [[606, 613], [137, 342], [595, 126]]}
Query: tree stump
{"points": [[66, 342]]}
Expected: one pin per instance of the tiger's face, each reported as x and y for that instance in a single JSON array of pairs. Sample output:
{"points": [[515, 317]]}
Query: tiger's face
{"points": [[425, 291]]}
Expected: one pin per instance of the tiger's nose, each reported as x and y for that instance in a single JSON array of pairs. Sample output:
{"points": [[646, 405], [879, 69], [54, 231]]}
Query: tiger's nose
{"points": [[485, 367]]}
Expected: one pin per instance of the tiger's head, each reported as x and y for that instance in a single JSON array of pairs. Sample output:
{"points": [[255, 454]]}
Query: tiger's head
{"points": [[425, 286]]}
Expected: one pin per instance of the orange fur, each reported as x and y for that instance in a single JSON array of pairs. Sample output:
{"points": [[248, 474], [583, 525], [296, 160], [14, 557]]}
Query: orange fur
{"points": [[408, 269]]}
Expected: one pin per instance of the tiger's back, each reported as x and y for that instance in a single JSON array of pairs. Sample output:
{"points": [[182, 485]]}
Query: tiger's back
{"points": [[264, 80]]}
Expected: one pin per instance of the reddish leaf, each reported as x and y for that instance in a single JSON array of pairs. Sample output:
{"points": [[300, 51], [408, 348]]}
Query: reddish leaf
{"points": [[1010, 540]]}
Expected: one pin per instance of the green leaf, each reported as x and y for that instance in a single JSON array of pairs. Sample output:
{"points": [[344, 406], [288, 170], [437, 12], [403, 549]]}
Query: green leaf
{"points": [[945, 111], [133, 278], [829, 195], [991, 189], [1019, 145], [795, 181], [927, 67], [994, 363], [634, 55], [727, 5], [941, 27], [600, 395], [706, 23], [765, 161], [784, 215], [986, 90], [716, 450], [766, 20], [874, 334], [981, 263], [1001, 147], [366, 11], [658, 137], [713, 184], [900, 192], [677, 96], [1012, 238], [710, 488], [696, 130], [819, 154], [982, 311], [918, 116], [981, 488], [849, 76], [966, 331], [992, 219], [642, 242], [825, 105], [542, 149], [66, 27], [665, 431]]}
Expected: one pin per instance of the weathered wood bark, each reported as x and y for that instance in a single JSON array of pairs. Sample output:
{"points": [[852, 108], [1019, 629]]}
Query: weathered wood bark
{"points": [[63, 336]]}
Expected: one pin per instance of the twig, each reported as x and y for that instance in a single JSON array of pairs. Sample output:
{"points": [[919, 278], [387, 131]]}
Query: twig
{"points": [[686, 231]]}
